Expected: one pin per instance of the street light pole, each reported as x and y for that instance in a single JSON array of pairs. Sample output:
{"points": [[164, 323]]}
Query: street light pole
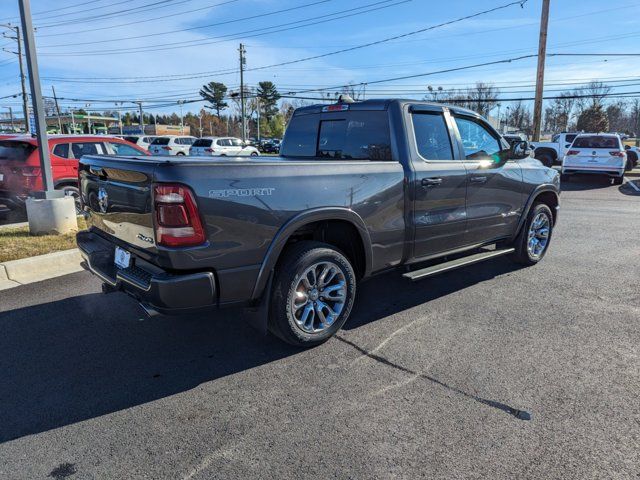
{"points": [[50, 212], [36, 98], [180, 102]]}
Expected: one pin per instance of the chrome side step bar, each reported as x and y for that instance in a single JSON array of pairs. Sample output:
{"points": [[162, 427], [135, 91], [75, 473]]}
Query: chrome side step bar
{"points": [[457, 263]]}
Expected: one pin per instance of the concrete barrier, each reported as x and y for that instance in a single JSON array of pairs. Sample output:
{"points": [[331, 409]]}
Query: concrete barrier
{"points": [[35, 269]]}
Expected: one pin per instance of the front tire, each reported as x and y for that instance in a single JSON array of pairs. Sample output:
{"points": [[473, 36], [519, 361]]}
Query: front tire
{"points": [[313, 294], [532, 242]]}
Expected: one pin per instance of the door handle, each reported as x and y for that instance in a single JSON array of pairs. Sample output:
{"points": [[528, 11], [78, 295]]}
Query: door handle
{"points": [[430, 182], [478, 179]]}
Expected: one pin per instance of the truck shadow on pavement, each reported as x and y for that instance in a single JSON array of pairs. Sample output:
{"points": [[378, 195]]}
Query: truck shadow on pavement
{"points": [[585, 182], [86, 356]]}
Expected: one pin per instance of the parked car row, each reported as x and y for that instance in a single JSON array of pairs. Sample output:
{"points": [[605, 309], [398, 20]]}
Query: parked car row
{"points": [[182, 145]]}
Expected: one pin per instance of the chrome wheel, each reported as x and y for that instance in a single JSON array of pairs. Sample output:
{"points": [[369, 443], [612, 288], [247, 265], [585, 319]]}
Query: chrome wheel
{"points": [[318, 297], [538, 237]]}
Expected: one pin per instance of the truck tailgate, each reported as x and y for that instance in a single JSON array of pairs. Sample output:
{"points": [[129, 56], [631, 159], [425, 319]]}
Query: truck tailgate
{"points": [[116, 194]]}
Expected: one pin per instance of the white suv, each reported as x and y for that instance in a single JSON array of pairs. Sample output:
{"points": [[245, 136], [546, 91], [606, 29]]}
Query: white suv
{"points": [[171, 145], [601, 154], [143, 141], [222, 147]]}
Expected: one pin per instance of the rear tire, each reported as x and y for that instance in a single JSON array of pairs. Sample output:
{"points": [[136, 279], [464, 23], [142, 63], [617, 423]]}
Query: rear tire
{"points": [[180, 154], [546, 159], [313, 294], [532, 242]]}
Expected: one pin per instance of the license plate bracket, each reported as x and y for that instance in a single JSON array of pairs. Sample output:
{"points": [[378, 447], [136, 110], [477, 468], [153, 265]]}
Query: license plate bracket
{"points": [[122, 258]]}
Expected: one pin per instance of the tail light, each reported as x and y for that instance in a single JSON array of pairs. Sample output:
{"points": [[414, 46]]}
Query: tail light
{"points": [[573, 152], [616, 154], [177, 218], [210, 150], [166, 148]]}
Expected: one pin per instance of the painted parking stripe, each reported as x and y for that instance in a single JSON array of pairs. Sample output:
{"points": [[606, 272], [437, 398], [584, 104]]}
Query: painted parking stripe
{"points": [[636, 188]]}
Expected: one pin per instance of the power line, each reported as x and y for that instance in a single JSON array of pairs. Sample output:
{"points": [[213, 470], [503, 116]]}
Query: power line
{"points": [[117, 13], [165, 33], [339, 15], [137, 22]]}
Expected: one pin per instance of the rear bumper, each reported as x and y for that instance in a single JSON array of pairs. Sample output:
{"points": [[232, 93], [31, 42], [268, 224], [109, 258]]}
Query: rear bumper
{"points": [[595, 170], [155, 288]]}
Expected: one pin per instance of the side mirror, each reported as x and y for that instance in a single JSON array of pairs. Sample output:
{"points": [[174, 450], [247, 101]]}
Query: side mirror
{"points": [[627, 147], [520, 150]]}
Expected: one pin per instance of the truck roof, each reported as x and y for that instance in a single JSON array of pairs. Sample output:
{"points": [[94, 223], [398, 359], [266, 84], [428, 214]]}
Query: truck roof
{"points": [[383, 104]]}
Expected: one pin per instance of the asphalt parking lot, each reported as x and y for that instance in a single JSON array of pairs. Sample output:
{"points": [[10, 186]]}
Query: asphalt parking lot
{"points": [[493, 371]]}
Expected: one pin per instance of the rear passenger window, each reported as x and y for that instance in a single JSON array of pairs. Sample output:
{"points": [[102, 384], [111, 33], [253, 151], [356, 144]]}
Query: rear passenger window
{"points": [[432, 136], [80, 149], [61, 150]]}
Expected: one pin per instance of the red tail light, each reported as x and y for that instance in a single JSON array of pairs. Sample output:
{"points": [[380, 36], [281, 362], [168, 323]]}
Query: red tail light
{"points": [[616, 154], [166, 148], [177, 219], [573, 152]]}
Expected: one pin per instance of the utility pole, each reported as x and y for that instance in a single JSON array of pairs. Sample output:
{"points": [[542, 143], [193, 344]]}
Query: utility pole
{"points": [[243, 62], [55, 99], [258, 110], [13, 128], [23, 78], [542, 53], [201, 123]]}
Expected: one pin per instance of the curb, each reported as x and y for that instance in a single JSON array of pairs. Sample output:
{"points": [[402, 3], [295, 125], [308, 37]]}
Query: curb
{"points": [[14, 225], [35, 269]]}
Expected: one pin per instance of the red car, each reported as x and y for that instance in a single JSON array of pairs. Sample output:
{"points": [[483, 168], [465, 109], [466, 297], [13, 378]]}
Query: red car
{"points": [[20, 165]]}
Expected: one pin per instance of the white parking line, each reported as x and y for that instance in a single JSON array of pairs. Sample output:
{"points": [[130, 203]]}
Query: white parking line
{"points": [[636, 188]]}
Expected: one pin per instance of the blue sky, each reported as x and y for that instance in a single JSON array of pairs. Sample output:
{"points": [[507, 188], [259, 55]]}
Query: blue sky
{"points": [[83, 43]]}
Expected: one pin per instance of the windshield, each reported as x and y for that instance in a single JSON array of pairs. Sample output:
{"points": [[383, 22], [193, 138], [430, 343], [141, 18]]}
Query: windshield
{"points": [[15, 151], [202, 142], [161, 141], [596, 141]]}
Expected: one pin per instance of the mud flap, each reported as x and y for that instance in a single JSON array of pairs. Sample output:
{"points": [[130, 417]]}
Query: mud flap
{"points": [[257, 316]]}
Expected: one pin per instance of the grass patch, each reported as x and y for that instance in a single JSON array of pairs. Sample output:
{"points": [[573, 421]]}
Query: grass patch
{"points": [[16, 243]]}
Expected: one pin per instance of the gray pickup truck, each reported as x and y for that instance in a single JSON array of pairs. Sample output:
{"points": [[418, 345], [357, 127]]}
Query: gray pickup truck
{"points": [[359, 188]]}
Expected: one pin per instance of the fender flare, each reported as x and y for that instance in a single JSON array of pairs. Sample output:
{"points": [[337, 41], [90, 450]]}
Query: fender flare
{"points": [[547, 187], [305, 218]]}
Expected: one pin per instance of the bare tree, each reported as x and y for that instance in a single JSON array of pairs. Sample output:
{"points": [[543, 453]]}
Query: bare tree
{"points": [[483, 98]]}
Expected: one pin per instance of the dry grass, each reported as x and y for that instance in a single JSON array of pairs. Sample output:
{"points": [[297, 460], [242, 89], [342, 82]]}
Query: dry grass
{"points": [[16, 243]]}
